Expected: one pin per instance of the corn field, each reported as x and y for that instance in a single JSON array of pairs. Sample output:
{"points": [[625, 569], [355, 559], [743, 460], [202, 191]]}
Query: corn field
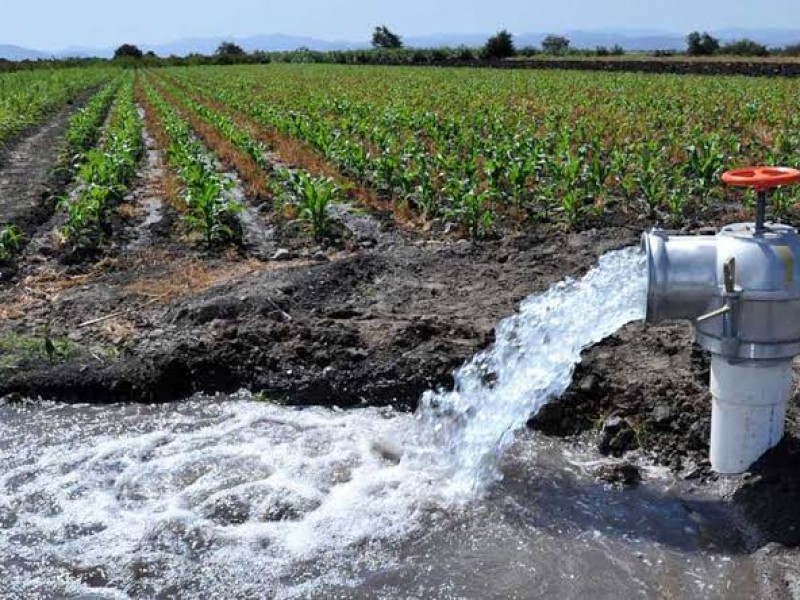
{"points": [[484, 150], [551, 145]]}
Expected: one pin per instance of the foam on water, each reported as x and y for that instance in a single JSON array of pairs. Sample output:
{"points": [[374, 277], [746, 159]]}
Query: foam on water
{"points": [[218, 494], [207, 497]]}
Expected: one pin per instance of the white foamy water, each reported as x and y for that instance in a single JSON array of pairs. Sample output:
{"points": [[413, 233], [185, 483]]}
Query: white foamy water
{"points": [[213, 496], [238, 498]]}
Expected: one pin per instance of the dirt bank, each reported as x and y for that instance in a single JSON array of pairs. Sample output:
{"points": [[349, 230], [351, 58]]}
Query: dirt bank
{"points": [[378, 326], [674, 66]]}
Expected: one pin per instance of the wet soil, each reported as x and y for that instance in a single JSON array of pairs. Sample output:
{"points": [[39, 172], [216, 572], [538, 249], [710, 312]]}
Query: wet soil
{"points": [[32, 172], [376, 326], [376, 316]]}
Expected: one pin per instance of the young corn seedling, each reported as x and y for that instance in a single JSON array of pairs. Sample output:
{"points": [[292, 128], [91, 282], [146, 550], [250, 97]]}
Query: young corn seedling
{"points": [[598, 172], [494, 168], [474, 213], [571, 205], [676, 202], [519, 173], [705, 161], [426, 196], [210, 212], [316, 195], [653, 190]]}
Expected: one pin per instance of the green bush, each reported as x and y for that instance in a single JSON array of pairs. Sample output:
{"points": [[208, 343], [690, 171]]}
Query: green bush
{"points": [[744, 47], [555, 45], [500, 46], [702, 44]]}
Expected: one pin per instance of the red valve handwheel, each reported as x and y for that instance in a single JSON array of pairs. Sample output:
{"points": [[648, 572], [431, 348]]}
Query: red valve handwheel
{"points": [[762, 178]]}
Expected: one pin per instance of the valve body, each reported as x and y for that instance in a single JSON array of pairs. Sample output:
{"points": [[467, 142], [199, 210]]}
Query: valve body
{"points": [[741, 289]]}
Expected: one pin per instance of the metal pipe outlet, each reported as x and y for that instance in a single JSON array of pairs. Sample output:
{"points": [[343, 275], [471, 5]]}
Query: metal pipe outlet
{"points": [[741, 290]]}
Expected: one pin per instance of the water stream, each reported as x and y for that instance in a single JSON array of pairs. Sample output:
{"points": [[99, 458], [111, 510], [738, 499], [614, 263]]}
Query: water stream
{"points": [[531, 362], [235, 498]]}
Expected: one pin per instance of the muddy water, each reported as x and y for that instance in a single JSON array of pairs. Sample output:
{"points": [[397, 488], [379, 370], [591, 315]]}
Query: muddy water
{"points": [[221, 498], [148, 196]]}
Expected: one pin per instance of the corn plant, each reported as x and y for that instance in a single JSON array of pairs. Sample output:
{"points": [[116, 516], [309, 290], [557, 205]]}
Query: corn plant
{"points": [[519, 173], [599, 171], [653, 189], [676, 204], [571, 205], [316, 195], [474, 212], [208, 211], [424, 194], [705, 161]]}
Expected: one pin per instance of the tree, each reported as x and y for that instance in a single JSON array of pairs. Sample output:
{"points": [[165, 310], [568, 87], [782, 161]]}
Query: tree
{"points": [[382, 37], [500, 45], [745, 47], [791, 50], [229, 49], [555, 44], [701, 44], [128, 51]]}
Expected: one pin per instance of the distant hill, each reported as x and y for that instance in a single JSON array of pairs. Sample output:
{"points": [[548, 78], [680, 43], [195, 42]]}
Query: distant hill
{"points": [[632, 40], [273, 43], [10, 52]]}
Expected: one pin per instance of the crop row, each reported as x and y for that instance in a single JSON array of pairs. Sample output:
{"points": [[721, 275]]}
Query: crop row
{"points": [[310, 195], [86, 124], [27, 97], [211, 210], [82, 133], [560, 144], [105, 172]]}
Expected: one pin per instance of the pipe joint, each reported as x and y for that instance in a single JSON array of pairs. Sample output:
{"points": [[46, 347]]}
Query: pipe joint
{"points": [[741, 291]]}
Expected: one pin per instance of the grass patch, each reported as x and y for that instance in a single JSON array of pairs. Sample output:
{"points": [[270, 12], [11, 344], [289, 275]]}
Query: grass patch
{"points": [[16, 350]]}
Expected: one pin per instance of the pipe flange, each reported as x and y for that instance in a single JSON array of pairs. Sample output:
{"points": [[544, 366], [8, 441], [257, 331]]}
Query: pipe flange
{"points": [[741, 350]]}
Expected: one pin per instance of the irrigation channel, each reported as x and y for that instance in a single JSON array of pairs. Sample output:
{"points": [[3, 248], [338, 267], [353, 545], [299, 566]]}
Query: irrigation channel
{"points": [[235, 498]]}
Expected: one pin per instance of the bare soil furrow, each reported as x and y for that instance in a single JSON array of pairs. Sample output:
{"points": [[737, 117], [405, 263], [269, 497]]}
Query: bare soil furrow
{"points": [[144, 204], [29, 173]]}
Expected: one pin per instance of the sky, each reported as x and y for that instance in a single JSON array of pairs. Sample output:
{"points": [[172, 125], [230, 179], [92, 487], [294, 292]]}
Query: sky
{"points": [[56, 24]]}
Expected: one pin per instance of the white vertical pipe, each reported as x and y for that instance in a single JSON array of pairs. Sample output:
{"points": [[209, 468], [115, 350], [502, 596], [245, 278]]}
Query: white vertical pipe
{"points": [[749, 412]]}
